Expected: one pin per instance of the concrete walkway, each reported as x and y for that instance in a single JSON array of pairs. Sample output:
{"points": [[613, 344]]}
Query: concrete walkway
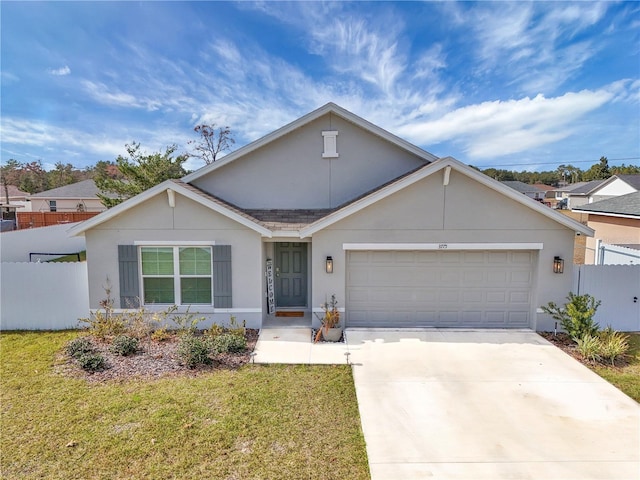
{"points": [[294, 345]]}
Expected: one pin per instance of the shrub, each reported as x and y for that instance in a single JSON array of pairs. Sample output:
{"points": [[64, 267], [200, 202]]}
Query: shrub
{"points": [[576, 317], [589, 347], [105, 325], [92, 362], [124, 345], [187, 323], [79, 346], [160, 334], [215, 331], [193, 351], [235, 328], [228, 343], [613, 344]]}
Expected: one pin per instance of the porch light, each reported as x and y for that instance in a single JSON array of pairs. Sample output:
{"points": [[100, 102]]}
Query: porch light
{"points": [[558, 265], [329, 265]]}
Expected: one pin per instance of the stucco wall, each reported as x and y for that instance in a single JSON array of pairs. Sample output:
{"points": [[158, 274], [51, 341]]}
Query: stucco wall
{"points": [[462, 212], [154, 220], [291, 173], [67, 205]]}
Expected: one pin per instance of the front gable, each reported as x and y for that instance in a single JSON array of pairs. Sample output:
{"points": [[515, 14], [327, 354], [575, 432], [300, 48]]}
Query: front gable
{"points": [[297, 170]]}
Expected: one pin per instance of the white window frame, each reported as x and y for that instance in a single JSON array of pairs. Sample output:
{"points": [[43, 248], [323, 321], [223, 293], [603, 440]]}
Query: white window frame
{"points": [[177, 276]]}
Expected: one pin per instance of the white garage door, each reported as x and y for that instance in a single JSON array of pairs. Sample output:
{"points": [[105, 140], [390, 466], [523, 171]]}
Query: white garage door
{"points": [[479, 289]]}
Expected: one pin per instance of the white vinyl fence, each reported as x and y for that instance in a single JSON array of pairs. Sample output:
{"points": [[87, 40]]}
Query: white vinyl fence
{"points": [[43, 296], [618, 287], [616, 255], [17, 245]]}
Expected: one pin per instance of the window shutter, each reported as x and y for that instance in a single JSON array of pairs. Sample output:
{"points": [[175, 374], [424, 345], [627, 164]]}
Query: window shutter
{"points": [[222, 276], [129, 280]]}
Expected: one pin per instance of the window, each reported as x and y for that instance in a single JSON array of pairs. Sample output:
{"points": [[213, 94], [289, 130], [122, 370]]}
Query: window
{"points": [[176, 275], [53, 205]]}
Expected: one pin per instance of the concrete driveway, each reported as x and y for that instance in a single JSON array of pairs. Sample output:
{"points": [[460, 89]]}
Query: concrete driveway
{"points": [[442, 404]]}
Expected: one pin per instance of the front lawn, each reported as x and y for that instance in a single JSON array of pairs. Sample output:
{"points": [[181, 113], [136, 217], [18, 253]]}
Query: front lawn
{"points": [[626, 378], [258, 422]]}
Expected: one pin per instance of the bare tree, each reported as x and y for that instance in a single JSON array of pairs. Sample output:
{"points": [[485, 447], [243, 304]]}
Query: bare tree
{"points": [[212, 141]]}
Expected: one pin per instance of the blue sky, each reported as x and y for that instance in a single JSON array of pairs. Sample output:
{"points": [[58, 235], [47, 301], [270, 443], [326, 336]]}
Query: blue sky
{"points": [[511, 85]]}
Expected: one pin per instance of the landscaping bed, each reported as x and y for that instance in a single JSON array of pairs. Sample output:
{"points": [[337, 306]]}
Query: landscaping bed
{"points": [[154, 359]]}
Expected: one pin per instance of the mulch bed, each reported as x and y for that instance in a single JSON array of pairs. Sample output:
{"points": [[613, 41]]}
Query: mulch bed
{"points": [[567, 345], [154, 360]]}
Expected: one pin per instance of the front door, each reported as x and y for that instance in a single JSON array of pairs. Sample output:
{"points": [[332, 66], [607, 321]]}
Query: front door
{"points": [[291, 274]]}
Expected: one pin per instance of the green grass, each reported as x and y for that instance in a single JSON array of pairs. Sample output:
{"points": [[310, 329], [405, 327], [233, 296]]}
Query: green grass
{"points": [[71, 258], [626, 378], [259, 422]]}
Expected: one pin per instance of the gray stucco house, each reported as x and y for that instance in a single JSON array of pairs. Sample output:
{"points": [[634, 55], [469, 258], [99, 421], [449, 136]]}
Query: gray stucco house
{"points": [[332, 204]]}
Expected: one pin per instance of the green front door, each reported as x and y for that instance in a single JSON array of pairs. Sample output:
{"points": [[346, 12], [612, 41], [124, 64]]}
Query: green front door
{"points": [[291, 274]]}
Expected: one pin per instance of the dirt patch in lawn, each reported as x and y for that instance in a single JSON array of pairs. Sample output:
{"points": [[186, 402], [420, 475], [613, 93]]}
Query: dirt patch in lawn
{"points": [[153, 360]]}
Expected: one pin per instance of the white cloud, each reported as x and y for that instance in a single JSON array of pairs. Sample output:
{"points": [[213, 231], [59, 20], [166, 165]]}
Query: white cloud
{"points": [[498, 128], [60, 72]]}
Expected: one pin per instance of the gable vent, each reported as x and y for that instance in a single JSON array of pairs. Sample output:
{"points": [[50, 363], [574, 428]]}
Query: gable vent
{"points": [[330, 144]]}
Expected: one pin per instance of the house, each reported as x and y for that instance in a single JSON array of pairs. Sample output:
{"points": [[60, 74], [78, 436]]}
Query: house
{"points": [[68, 204], [530, 191], [576, 194], [615, 221], [76, 197], [332, 204], [615, 186]]}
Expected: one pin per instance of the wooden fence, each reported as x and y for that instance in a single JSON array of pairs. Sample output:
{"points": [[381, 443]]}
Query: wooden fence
{"points": [[45, 219]]}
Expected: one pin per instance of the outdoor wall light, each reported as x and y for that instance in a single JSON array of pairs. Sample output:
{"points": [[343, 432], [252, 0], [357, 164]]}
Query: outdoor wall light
{"points": [[328, 266], [558, 265]]}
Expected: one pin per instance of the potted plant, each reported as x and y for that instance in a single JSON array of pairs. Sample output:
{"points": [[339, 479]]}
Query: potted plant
{"points": [[330, 328]]}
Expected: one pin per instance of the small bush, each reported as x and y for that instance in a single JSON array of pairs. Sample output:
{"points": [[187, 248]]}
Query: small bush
{"points": [[92, 362], [105, 324], [79, 346], [576, 317], [215, 331], [124, 345], [193, 351], [187, 322], [589, 347], [228, 343], [160, 334], [235, 328], [613, 345]]}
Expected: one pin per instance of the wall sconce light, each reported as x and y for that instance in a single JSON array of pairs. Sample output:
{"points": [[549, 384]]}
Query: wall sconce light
{"points": [[558, 265], [329, 265]]}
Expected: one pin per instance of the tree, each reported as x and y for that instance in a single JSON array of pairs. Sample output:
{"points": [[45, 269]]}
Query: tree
{"points": [[62, 175], [212, 141], [33, 178], [9, 175], [139, 173], [599, 171], [625, 170]]}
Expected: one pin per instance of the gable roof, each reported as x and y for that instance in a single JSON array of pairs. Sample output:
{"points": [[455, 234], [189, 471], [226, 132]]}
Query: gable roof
{"points": [[83, 189], [623, 206], [430, 169], [184, 189], [521, 186], [632, 180], [304, 223], [302, 121], [585, 188]]}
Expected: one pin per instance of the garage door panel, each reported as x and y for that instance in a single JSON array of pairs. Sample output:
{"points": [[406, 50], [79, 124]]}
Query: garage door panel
{"points": [[439, 288]]}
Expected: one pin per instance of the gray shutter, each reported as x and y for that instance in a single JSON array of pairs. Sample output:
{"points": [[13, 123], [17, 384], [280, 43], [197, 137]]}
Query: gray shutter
{"points": [[222, 276], [129, 280]]}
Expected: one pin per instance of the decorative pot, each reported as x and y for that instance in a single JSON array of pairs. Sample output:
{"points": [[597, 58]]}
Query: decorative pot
{"points": [[332, 334]]}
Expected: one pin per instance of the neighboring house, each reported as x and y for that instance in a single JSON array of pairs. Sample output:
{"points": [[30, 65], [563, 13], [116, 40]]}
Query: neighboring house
{"points": [[576, 194], [76, 197], [615, 221], [68, 204], [530, 191], [614, 187], [332, 204], [9, 206]]}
